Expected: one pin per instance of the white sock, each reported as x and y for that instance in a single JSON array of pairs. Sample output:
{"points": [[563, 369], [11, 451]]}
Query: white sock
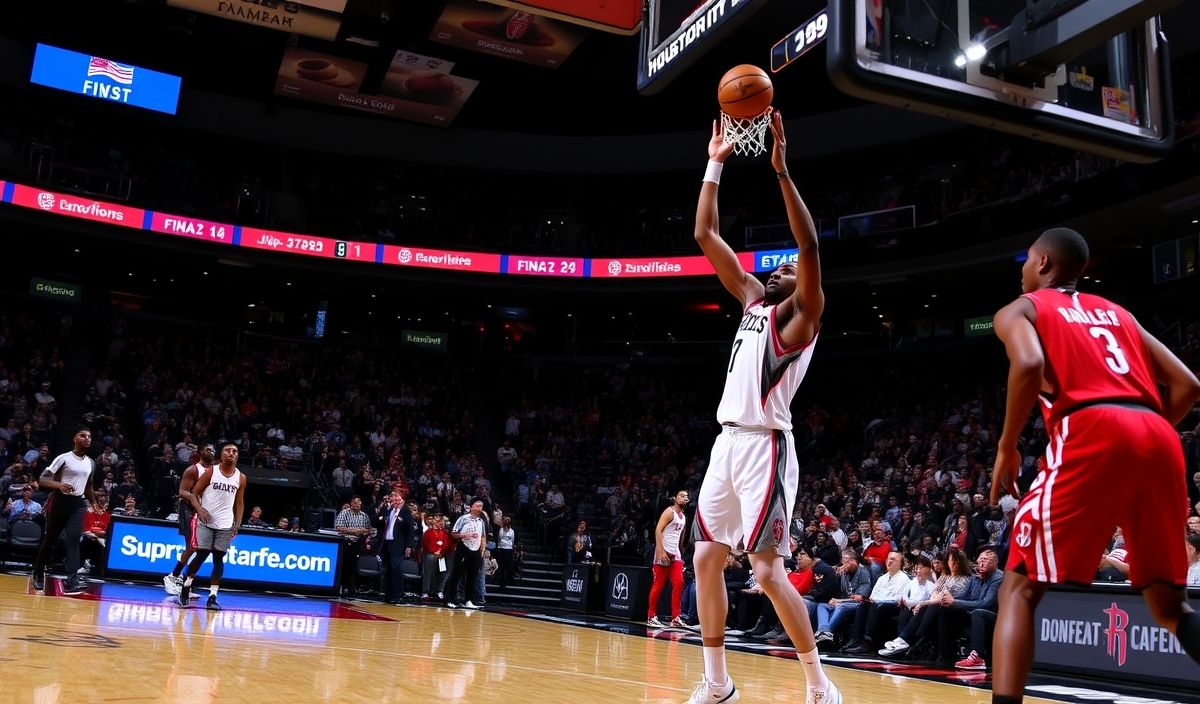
{"points": [[714, 665], [188, 582], [813, 672], [212, 590]]}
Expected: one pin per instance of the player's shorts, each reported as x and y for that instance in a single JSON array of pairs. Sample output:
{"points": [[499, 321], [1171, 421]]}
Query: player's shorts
{"points": [[749, 490], [213, 538], [1106, 466], [187, 525]]}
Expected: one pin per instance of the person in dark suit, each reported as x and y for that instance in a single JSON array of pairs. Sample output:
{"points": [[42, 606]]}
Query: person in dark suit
{"points": [[396, 527]]}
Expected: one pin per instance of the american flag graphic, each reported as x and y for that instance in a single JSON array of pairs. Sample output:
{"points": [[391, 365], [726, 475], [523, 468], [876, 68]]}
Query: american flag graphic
{"points": [[103, 67]]}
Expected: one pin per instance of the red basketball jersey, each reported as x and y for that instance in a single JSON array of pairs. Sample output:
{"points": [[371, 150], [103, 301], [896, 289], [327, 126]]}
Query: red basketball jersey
{"points": [[1093, 351]]}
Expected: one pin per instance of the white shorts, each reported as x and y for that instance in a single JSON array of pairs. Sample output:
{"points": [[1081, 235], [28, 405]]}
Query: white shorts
{"points": [[749, 490]]}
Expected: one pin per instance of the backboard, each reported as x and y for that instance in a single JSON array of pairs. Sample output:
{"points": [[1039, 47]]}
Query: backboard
{"points": [[1087, 74], [677, 32]]}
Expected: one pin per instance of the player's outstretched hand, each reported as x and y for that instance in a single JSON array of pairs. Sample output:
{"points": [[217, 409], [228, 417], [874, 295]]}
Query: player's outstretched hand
{"points": [[778, 143], [718, 149]]}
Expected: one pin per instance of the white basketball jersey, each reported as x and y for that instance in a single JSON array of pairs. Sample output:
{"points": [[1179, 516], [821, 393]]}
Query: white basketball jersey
{"points": [[762, 375], [218, 499], [671, 534]]}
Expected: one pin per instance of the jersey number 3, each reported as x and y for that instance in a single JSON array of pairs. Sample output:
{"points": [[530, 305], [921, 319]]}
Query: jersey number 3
{"points": [[1115, 357]]}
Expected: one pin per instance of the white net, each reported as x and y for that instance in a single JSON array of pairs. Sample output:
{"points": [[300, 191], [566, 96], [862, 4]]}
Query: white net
{"points": [[748, 135]]}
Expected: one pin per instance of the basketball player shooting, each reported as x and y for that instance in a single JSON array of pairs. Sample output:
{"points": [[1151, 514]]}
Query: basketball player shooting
{"points": [[750, 488], [1113, 457]]}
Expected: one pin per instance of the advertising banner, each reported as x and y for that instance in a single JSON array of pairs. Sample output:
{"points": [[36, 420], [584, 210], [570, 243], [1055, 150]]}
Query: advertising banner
{"points": [[77, 207], [151, 548], [501, 31], [412, 91], [545, 266], [425, 340], [45, 288], [576, 580], [978, 327], [627, 592], [291, 17], [653, 266], [442, 259], [320, 78], [1110, 635], [105, 79], [193, 228]]}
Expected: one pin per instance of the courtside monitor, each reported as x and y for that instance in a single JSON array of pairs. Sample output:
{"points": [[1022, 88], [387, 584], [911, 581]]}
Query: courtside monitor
{"points": [[1088, 74], [677, 32]]}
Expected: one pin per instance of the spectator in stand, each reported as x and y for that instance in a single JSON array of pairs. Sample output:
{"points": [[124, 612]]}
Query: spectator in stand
{"points": [[881, 546], [128, 488], [855, 588], [506, 456], [916, 622], [256, 520], [579, 545], [343, 481], [1193, 550], [24, 508], [128, 509], [1193, 525], [283, 523], [506, 539], [95, 532], [978, 606], [884, 602]]}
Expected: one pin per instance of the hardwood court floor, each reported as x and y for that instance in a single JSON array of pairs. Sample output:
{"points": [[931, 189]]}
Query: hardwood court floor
{"points": [[126, 643]]}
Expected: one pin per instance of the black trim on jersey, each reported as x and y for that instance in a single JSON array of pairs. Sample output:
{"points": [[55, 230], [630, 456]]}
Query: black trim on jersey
{"points": [[763, 536], [774, 367]]}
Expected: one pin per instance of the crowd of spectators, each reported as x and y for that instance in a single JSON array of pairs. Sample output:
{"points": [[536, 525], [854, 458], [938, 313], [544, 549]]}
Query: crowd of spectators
{"points": [[32, 343]]}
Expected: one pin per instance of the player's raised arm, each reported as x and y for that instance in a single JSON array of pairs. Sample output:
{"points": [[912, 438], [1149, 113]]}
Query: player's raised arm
{"points": [[1181, 388], [733, 277], [809, 297]]}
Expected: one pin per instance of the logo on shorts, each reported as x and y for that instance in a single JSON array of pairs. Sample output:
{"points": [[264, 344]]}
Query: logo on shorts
{"points": [[1024, 535], [777, 531]]}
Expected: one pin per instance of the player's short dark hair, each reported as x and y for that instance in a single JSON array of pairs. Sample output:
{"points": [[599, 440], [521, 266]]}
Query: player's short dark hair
{"points": [[226, 444], [80, 429], [1068, 250], [1194, 540]]}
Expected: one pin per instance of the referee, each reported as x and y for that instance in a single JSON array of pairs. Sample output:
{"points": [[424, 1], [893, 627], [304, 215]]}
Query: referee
{"points": [[69, 479]]}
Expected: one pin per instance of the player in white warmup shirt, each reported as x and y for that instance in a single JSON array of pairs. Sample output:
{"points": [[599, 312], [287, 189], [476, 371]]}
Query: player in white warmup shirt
{"points": [[749, 489], [218, 500], [668, 561]]}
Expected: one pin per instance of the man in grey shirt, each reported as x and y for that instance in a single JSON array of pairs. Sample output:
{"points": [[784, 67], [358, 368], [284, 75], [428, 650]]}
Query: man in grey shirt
{"points": [[856, 587]]}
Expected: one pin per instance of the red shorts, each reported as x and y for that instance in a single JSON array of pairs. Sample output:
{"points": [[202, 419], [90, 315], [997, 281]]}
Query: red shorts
{"points": [[1107, 466]]}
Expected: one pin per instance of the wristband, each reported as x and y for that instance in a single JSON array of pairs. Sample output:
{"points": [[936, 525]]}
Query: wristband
{"points": [[713, 172], [782, 174]]}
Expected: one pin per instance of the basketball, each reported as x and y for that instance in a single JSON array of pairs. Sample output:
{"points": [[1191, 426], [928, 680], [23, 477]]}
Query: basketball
{"points": [[745, 91]]}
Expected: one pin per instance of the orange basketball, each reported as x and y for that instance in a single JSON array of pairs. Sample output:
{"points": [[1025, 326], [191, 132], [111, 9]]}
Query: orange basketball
{"points": [[745, 91]]}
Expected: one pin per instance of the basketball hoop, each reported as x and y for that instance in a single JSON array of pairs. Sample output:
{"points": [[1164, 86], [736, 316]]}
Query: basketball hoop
{"points": [[748, 135]]}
